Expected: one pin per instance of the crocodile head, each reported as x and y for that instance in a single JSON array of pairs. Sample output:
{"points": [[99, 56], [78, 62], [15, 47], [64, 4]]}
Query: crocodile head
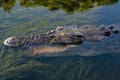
{"points": [[12, 41]]}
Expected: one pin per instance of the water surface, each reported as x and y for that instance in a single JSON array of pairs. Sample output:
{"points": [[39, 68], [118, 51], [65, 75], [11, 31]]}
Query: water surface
{"points": [[88, 61]]}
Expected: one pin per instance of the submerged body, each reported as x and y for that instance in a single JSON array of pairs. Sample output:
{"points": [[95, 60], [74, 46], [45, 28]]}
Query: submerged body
{"points": [[64, 35]]}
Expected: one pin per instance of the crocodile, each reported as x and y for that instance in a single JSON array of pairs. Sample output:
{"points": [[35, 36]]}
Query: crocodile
{"points": [[65, 35]]}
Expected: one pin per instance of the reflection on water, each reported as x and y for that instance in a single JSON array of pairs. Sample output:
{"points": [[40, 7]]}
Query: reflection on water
{"points": [[48, 49], [7, 5], [69, 6], [45, 50]]}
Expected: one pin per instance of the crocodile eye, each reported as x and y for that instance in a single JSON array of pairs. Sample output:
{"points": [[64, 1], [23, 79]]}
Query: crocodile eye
{"points": [[111, 27], [116, 32]]}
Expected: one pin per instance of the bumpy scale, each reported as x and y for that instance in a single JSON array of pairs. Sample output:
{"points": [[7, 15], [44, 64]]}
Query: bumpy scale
{"points": [[65, 35]]}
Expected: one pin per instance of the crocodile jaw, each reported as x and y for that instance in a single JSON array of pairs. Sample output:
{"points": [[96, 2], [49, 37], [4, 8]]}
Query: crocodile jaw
{"points": [[11, 42]]}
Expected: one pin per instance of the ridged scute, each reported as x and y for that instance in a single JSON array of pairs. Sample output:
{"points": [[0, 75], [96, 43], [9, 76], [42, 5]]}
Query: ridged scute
{"points": [[92, 33]]}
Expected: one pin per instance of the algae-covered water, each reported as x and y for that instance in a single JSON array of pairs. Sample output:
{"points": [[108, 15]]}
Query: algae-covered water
{"points": [[88, 61]]}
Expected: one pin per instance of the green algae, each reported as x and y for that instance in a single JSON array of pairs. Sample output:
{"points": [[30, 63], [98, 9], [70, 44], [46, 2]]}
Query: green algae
{"points": [[31, 18]]}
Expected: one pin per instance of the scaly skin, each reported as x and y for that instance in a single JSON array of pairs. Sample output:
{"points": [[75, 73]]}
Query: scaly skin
{"points": [[64, 35]]}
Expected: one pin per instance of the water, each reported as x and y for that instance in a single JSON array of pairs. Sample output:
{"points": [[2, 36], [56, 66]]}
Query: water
{"points": [[88, 61]]}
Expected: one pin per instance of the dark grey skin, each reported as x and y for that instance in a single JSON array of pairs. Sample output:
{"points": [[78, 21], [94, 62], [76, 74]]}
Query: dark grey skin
{"points": [[53, 36], [65, 35], [47, 38]]}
